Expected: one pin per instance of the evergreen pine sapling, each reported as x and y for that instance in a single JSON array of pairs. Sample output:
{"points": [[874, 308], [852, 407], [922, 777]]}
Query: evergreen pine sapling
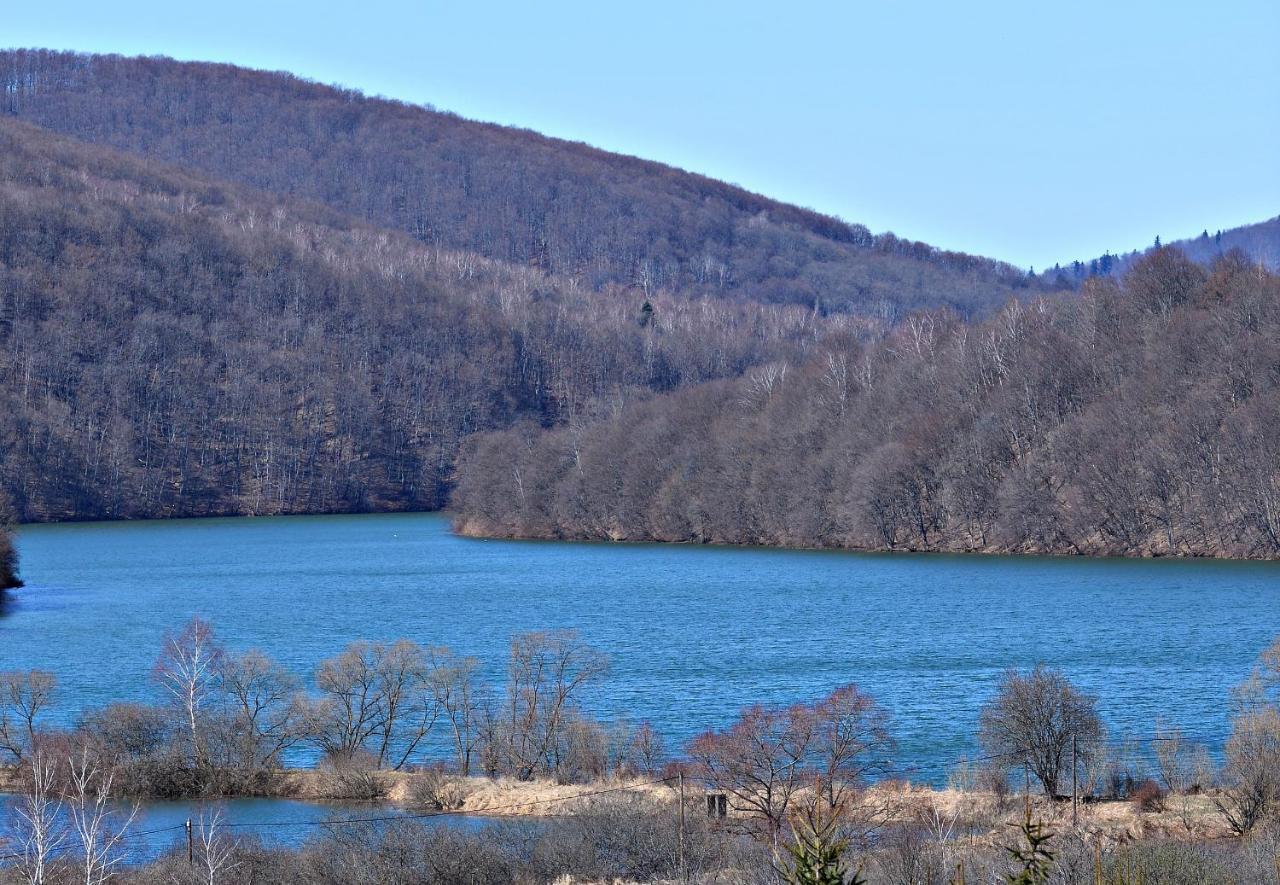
{"points": [[1034, 855]]}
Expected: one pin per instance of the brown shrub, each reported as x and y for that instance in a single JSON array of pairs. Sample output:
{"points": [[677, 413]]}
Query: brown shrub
{"points": [[436, 789], [354, 778], [1148, 796]]}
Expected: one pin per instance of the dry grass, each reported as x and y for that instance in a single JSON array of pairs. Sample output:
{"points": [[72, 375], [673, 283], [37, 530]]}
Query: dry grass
{"points": [[988, 819], [485, 796], [972, 814]]}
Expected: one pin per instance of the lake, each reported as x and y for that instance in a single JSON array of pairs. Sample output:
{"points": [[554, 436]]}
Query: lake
{"points": [[160, 826], [693, 633]]}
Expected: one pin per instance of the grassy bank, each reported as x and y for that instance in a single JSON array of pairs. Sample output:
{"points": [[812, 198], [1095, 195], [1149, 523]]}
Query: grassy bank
{"points": [[981, 816]]}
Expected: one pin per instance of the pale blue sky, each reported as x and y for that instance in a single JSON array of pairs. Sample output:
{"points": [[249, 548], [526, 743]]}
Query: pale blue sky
{"points": [[1028, 131]]}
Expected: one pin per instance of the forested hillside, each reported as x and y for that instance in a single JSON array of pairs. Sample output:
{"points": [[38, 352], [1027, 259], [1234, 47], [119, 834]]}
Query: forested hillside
{"points": [[172, 345], [227, 291], [508, 194], [1258, 242], [1261, 242], [1142, 417]]}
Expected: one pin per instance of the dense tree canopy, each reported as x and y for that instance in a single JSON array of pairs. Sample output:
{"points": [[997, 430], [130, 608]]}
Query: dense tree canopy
{"points": [[505, 193], [328, 295], [176, 346], [1142, 417]]}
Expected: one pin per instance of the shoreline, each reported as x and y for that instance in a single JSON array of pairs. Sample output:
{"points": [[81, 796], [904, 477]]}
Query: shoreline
{"points": [[471, 530], [464, 528], [472, 795], [985, 816]]}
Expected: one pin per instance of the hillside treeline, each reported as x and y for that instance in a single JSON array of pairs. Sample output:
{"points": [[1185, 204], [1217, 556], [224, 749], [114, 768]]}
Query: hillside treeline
{"points": [[508, 194], [175, 346], [1142, 417], [1259, 242]]}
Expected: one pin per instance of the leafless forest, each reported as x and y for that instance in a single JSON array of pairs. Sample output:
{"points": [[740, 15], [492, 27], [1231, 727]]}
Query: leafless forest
{"points": [[1140, 417], [508, 194], [179, 347], [233, 292]]}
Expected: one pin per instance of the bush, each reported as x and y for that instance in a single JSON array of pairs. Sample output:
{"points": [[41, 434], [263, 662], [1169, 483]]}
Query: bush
{"points": [[625, 837], [436, 789], [1251, 778], [584, 757], [1169, 863], [994, 779], [355, 778], [1148, 796]]}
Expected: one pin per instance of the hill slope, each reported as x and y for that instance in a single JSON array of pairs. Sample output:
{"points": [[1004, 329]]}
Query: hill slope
{"points": [[1261, 242], [173, 345], [504, 193], [1258, 242], [1141, 418]]}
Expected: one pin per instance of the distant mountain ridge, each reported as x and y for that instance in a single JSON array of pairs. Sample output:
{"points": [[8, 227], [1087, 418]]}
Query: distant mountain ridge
{"points": [[508, 194], [1259, 242]]}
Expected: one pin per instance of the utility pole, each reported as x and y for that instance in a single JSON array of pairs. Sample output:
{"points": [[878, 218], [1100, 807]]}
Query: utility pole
{"points": [[191, 848], [1075, 787], [1026, 789], [684, 876]]}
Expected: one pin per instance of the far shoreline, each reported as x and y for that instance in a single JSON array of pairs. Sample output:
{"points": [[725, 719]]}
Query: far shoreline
{"points": [[459, 529]]}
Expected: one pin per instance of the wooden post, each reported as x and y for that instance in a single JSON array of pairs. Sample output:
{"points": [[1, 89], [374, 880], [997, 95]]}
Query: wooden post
{"points": [[1075, 787], [191, 848], [680, 841], [1026, 790]]}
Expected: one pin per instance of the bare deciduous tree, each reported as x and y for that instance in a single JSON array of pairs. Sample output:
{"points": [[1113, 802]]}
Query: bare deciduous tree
{"points": [[188, 668], [546, 674], [98, 827], [769, 755], [756, 761], [376, 698], [23, 697], [1251, 776], [1034, 718], [38, 828], [648, 750], [851, 741], [461, 695], [266, 715], [217, 852]]}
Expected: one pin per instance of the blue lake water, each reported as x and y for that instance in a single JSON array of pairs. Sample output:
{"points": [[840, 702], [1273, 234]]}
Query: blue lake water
{"points": [[157, 827], [694, 633]]}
